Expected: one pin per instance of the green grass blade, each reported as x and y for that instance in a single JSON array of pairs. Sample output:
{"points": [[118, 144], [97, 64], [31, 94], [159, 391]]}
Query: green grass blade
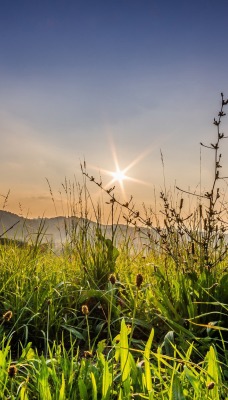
{"points": [[213, 371], [62, 389], [148, 378], [106, 382], [94, 386], [82, 389], [124, 351], [192, 378]]}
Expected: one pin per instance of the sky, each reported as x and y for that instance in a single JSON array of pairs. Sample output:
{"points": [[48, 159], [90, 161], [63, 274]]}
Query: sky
{"points": [[111, 82]]}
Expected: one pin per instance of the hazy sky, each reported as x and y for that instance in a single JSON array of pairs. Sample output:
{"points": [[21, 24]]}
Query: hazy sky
{"points": [[90, 78]]}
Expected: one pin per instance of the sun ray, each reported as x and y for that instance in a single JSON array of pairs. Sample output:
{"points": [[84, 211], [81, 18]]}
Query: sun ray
{"points": [[119, 176]]}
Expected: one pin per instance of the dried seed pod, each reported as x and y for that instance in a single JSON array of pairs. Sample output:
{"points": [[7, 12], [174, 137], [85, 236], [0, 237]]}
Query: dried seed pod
{"points": [[112, 279], [200, 210], [193, 248], [85, 309], [139, 280], [210, 385], [12, 371], [7, 316], [88, 354]]}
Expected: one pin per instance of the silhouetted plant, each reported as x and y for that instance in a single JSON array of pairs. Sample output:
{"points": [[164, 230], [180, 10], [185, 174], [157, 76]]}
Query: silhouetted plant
{"points": [[207, 241], [197, 238]]}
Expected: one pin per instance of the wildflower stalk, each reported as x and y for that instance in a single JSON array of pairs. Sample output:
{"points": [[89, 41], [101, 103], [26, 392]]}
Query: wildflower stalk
{"points": [[48, 323], [139, 280], [88, 332], [112, 281], [85, 311]]}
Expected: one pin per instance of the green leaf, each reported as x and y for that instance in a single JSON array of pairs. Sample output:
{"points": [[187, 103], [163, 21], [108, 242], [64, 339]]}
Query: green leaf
{"points": [[177, 391], [194, 380], [124, 351], [62, 389], [82, 389], [148, 379], [94, 386], [106, 382], [213, 371], [73, 331], [168, 343]]}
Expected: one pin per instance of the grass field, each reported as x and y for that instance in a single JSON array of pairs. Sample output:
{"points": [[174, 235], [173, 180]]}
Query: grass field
{"points": [[121, 328]]}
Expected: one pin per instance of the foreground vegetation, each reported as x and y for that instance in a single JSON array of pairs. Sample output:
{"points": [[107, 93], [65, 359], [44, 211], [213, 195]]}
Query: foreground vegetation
{"points": [[150, 331], [105, 319]]}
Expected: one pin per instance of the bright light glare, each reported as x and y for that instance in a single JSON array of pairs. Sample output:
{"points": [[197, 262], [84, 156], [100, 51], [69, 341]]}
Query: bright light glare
{"points": [[119, 176]]}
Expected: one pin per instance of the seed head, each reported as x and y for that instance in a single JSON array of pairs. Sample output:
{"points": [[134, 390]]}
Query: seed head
{"points": [[88, 354], [85, 309], [112, 279], [12, 371], [139, 280], [210, 385], [7, 316]]}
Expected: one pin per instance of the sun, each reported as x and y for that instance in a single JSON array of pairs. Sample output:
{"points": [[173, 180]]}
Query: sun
{"points": [[119, 176]]}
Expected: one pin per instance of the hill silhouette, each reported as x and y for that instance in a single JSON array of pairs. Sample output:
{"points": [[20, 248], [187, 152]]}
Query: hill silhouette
{"points": [[58, 230]]}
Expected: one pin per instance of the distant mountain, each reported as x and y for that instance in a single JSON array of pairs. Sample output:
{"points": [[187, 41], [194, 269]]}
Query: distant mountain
{"points": [[53, 230], [59, 229]]}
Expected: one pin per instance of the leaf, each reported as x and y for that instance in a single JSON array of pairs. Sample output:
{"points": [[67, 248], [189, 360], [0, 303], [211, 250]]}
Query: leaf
{"points": [[82, 389], [94, 386], [221, 289], [124, 351], [148, 379], [62, 389], [194, 380], [106, 382], [168, 343], [43, 385], [73, 331], [23, 393], [213, 371], [177, 391]]}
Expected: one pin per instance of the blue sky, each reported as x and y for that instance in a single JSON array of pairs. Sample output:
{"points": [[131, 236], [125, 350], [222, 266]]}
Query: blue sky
{"points": [[79, 78]]}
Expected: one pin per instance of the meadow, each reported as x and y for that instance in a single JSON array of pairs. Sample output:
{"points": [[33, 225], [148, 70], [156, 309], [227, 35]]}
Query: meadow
{"points": [[108, 319]]}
